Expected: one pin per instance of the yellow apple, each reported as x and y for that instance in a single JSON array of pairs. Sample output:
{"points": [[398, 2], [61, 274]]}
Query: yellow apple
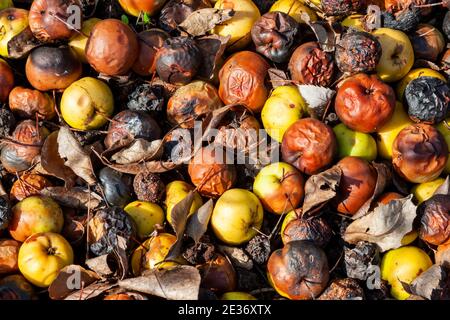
{"points": [[87, 104], [386, 135], [237, 216], [355, 21], [78, 43], [354, 143], [280, 187], [291, 216], [445, 130], [42, 256], [177, 191], [146, 215], [425, 191], [414, 74], [397, 56], [294, 8], [237, 296], [6, 4], [284, 107], [403, 265], [240, 26], [12, 21]]}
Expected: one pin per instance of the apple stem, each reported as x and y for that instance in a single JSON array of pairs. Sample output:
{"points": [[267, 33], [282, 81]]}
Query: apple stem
{"points": [[260, 232]]}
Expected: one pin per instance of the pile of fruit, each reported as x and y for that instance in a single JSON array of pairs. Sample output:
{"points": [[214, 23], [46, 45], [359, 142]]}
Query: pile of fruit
{"points": [[128, 134]]}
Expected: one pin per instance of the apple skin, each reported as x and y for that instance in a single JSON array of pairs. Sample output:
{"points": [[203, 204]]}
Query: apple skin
{"points": [[397, 56], [236, 295], [238, 212], [403, 265], [42, 256], [13, 22], [177, 191], [414, 74], [35, 214], [87, 104], [284, 107], [425, 191], [135, 7], [445, 130], [354, 143], [280, 187], [355, 21], [239, 27], [386, 135], [6, 4], [295, 8], [78, 43], [146, 215]]}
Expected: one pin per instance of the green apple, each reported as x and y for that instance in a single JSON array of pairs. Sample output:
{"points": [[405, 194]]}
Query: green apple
{"points": [[354, 143], [177, 191], [6, 4], [12, 21], [403, 265], [284, 107], [397, 56], [146, 215], [425, 191], [280, 187], [237, 216], [445, 130], [386, 135]]}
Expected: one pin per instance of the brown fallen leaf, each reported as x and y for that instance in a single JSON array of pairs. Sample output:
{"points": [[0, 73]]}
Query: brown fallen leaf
{"points": [[75, 157], [179, 221], [198, 222], [201, 21], [278, 78], [431, 284], [91, 291], [212, 48], [102, 265], [69, 279], [321, 188], [384, 178], [317, 99], [77, 197], [135, 168], [386, 225], [178, 283], [139, 150], [120, 254], [52, 162], [325, 34]]}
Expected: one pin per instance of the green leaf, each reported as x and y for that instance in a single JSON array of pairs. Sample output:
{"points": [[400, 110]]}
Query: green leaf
{"points": [[146, 18], [125, 19]]}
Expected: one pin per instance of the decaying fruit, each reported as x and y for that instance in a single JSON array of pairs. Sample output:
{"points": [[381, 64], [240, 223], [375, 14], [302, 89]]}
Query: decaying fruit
{"points": [[218, 275], [27, 185], [28, 103], [435, 219]]}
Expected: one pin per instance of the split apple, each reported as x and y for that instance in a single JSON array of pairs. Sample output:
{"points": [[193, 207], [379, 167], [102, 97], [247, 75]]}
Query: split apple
{"points": [[13, 22]]}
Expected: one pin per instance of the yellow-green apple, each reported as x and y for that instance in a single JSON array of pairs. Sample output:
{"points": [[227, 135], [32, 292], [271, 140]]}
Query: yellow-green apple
{"points": [[237, 216], [280, 187], [35, 214], [6, 4], [386, 135], [424, 191], [355, 21], [13, 22], [284, 107], [175, 192], [403, 265], [42, 256], [240, 25], [354, 143], [295, 8], [444, 128], [236, 295], [397, 56], [146, 215], [87, 104]]}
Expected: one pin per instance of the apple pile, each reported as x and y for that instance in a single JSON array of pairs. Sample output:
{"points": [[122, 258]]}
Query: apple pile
{"points": [[103, 170]]}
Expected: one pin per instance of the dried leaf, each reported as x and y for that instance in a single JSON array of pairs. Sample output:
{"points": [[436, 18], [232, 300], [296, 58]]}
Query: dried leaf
{"points": [[317, 99], [201, 21], [212, 48], [324, 32], [22, 44], [52, 162], [321, 188], [69, 279], [386, 225], [76, 158], [431, 284], [120, 254], [102, 265], [139, 150], [77, 197], [278, 78], [384, 178], [91, 291], [135, 168], [444, 188], [198, 223], [178, 283]]}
